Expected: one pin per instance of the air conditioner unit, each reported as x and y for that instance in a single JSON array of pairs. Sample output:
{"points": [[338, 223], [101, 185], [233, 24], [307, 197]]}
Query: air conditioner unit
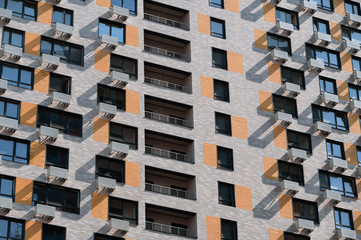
{"points": [[61, 98], [6, 204], [309, 6], [51, 62], [119, 225], [44, 211], [121, 79], [109, 41], [58, 173], [122, 14], [279, 56], [49, 133], [8, 124], [107, 109], [104, 183], [63, 30], [12, 53], [322, 127], [120, 149], [331, 195], [5, 15], [315, 65], [353, 19]]}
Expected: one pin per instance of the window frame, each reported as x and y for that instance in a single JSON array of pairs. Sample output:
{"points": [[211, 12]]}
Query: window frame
{"points": [[357, 90], [344, 179], [309, 150], [122, 173], [10, 178], [292, 71], [349, 212], [57, 228], [11, 31], [47, 163], [63, 11], [297, 236], [228, 131], [354, 59], [112, 24], [56, 75], [118, 91], [322, 84], [332, 143], [283, 101], [312, 49], [302, 201], [354, 4], [10, 101], [219, 163], [234, 226], [9, 220], [226, 202], [131, 145], [216, 5], [24, 2], [278, 38], [112, 215], [325, 8], [337, 114], [221, 98], [13, 156], [292, 13], [289, 165], [129, 60], [350, 31], [122, 5], [316, 22], [19, 68], [225, 55], [215, 34]]}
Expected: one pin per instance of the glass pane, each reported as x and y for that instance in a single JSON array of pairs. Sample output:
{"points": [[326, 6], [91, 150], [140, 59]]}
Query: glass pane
{"points": [[10, 73], [330, 87], [322, 28], [130, 4], [337, 217], [12, 110], [337, 150], [356, 65], [349, 188], [61, 50], [68, 19], [336, 183], [17, 39], [3, 228], [118, 33], [333, 60], [16, 230], [6, 147], [329, 117], [341, 122], [104, 29], [345, 218], [55, 196], [217, 28], [322, 55], [21, 150], [29, 10], [6, 37], [6, 187], [25, 77], [46, 47], [353, 93], [15, 6], [76, 55], [2, 108], [58, 16]]}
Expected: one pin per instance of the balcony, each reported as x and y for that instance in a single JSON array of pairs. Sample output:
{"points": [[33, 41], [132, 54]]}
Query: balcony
{"points": [[12, 53], [297, 154], [167, 46], [310, 6], [338, 163], [315, 65], [168, 146], [353, 19], [321, 38], [48, 133], [168, 111], [170, 183], [165, 14], [8, 124], [58, 173], [6, 204], [279, 56], [291, 88], [167, 77], [351, 45], [348, 234], [5, 15], [51, 62], [322, 127], [171, 221], [61, 98], [284, 27]]}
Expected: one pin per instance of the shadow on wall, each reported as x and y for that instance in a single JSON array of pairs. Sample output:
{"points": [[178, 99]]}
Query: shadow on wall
{"points": [[263, 136], [255, 73], [248, 12], [268, 206]]}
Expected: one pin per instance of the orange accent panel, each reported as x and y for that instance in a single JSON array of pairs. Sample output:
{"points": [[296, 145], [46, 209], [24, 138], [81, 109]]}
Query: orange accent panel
{"points": [[270, 168], [351, 154], [103, 3], [207, 88], [243, 197], [24, 191], [99, 206], [132, 102], [210, 154], [232, 5], [132, 174], [102, 60], [28, 114], [101, 130], [45, 13], [32, 43], [280, 137], [204, 24], [358, 185], [239, 127], [37, 154], [274, 72], [342, 89], [336, 33], [265, 101], [132, 36], [339, 6], [235, 62], [285, 204], [269, 12], [275, 234], [41, 80], [33, 230], [357, 221], [260, 39], [213, 228], [346, 62], [354, 121]]}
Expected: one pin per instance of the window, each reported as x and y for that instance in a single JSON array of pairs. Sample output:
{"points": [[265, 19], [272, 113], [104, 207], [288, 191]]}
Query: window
{"points": [[98, 236], [343, 218], [216, 3], [64, 199], [325, 4], [66, 122], [285, 104], [223, 123], [228, 230], [335, 149], [290, 171], [293, 76], [292, 236], [123, 209], [13, 37], [111, 95], [354, 91], [219, 58], [69, 52], [9, 108], [123, 134], [57, 156], [113, 29], [128, 4], [226, 194], [278, 42], [352, 7], [329, 57], [305, 209], [221, 90], [17, 75], [7, 187], [224, 158], [344, 185], [110, 168], [299, 140], [51, 232], [62, 15], [356, 63], [11, 228], [21, 8], [218, 28], [351, 34], [14, 150], [287, 16], [60, 83], [320, 25], [359, 155], [125, 65], [328, 85], [337, 119]]}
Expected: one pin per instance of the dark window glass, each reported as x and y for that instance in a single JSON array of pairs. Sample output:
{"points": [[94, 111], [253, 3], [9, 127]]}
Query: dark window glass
{"points": [[111, 95], [110, 168], [328, 85], [17, 75], [352, 7], [228, 230], [218, 28], [51, 232], [279, 42], [123, 209], [337, 119], [66, 122], [216, 3], [221, 90], [7, 186], [57, 156], [223, 123], [60, 83], [111, 28], [335, 149], [124, 134], [343, 218], [356, 63], [9, 108], [11, 229], [305, 210], [64, 199], [15, 150], [98, 236], [293, 76], [320, 25], [354, 91], [299, 140], [359, 155], [351, 34], [290, 171], [285, 104], [329, 57], [346, 186], [226, 194], [287, 16], [13, 37], [21, 8], [125, 65], [292, 236], [62, 15], [219, 58], [224, 158], [128, 4], [325, 4]]}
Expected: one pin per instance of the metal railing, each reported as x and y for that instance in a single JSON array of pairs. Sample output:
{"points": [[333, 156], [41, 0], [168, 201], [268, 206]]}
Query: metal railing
{"points": [[170, 229], [168, 119], [169, 191], [167, 84], [168, 154], [166, 21], [167, 53]]}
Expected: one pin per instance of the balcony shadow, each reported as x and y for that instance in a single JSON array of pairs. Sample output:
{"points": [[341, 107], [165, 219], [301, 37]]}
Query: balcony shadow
{"points": [[83, 174], [326, 209], [254, 74], [268, 206], [248, 12], [257, 140]]}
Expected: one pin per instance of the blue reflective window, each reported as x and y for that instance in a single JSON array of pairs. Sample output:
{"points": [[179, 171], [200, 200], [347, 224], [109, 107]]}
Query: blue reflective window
{"points": [[128, 4], [7, 186], [352, 7], [216, 3], [9, 108], [343, 218], [15, 150], [329, 57], [17, 75], [13, 37], [218, 28], [62, 15], [335, 149], [328, 85], [325, 4], [113, 29], [21, 8], [11, 229]]}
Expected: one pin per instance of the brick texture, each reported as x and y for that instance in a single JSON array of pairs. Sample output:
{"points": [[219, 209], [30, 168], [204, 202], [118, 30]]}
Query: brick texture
{"points": [[274, 72], [45, 13], [24, 191], [210, 154], [28, 114], [132, 174], [243, 197], [346, 62], [357, 221], [37, 154], [213, 228], [336, 33], [132, 102], [232, 5], [235, 62], [269, 12], [270, 168], [102, 60], [103, 3], [33, 230], [280, 137], [41, 80], [99, 205], [275, 234], [132, 36], [239, 127], [339, 6], [342, 89], [32, 43], [204, 24], [351, 153], [285, 204], [265, 101], [207, 88], [354, 121], [260, 39], [101, 130]]}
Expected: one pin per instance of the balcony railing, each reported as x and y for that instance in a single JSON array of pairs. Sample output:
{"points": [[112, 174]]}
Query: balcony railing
{"points": [[168, 119], [167, 53], [168, 154], [169, 229], [166, 21], [169, 191], [167, 84]]}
